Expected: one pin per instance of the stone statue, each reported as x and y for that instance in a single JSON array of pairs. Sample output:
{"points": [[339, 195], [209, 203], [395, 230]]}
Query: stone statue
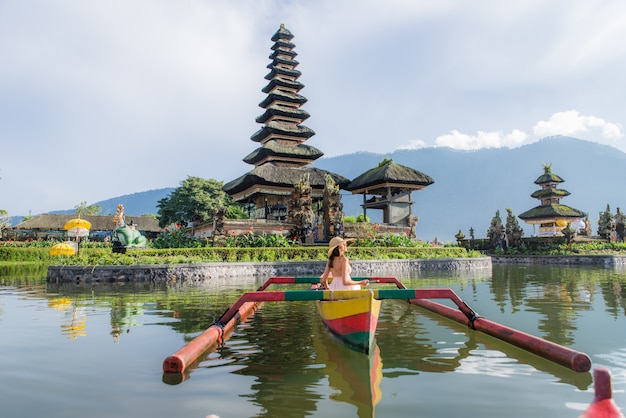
{"points": [[333, 209], [219, 233], [300, 212], [126, 234]]}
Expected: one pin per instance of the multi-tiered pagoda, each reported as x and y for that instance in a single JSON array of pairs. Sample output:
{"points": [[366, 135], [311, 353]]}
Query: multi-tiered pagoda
{"points": [[282, 158], [550, 215]]}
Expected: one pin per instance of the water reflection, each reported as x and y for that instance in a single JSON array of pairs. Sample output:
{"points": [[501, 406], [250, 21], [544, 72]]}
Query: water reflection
{"points": [[560, 295], [416, 346], [289, 353], [355, 376], [283, 363]]}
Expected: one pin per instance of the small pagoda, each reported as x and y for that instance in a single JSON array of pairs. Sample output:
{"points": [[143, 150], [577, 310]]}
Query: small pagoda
{"points": [[550, 215], [282, 158], [389, 186]]}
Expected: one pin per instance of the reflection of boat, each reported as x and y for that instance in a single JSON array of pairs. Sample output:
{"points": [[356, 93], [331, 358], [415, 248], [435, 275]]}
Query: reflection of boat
{"points": [[356, 377], [351, 320], [245, 305]]}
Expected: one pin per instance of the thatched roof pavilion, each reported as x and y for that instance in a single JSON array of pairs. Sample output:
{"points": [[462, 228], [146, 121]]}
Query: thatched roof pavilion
{"points": [[390, 185], [50, 222]]}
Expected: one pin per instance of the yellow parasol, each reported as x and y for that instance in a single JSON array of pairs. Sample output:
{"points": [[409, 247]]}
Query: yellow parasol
{"points": [[63, 248], [77, 223], [77, 228]]}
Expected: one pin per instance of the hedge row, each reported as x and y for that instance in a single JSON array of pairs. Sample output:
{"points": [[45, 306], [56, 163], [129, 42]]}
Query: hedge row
{"points": [[100, 256]]}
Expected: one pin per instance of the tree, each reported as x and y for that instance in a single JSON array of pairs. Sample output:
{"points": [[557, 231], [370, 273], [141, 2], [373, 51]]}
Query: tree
{"points": [[620, 221], [514, 232], [495, 231], [195, 202], [569, 232], [606, 225], [83, 209]]}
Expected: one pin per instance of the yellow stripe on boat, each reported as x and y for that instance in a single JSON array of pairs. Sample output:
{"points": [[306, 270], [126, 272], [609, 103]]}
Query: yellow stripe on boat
{"points": [[347, 306]]}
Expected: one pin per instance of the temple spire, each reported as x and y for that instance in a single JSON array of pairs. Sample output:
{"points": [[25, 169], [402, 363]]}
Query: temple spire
{"points": [[283, 158]]}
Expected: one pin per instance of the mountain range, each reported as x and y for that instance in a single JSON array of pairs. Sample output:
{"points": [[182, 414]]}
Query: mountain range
{"points": [[470, 186]]}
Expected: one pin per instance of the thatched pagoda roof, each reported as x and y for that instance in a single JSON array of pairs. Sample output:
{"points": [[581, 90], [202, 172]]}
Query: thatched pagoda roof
{"points": [[50, 222], [281, 44], [389, 174], [550, 192], [274, 149], [276, 53], [549, 212], [271, 175], [289, 112], [284, 97], [282, 82], [282, 33], [276, 71], [278, 60], [548, 176], [295, 131]]}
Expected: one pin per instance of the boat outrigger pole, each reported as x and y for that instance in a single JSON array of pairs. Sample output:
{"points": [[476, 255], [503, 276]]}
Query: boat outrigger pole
{"points": [[249, 301]]}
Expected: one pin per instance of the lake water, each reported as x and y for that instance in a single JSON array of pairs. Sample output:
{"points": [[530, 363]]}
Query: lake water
{"points": [[96, 350]]}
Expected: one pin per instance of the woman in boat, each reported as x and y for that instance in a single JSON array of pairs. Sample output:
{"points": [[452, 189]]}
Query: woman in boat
{"points": [[338, 267]]}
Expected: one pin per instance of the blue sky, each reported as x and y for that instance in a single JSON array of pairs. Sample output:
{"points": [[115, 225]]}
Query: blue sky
{"points": [[101, 99]]}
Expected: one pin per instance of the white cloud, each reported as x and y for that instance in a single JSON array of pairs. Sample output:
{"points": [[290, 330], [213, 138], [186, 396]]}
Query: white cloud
{"points": [[572, 123], [482, 139], [414, 144], [567, 123]]}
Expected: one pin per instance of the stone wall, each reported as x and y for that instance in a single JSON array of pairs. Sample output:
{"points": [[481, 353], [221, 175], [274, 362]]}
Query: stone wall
{"points": [[194, 273], [609, 261]]}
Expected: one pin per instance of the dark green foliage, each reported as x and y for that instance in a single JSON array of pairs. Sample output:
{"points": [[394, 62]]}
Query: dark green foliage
{"points": [[514, 232], [389, 240], [569, 233], [495, 231], [176, 238], [193, 202], [84, 209], [606, 224], [362, 218], [263, 240]]}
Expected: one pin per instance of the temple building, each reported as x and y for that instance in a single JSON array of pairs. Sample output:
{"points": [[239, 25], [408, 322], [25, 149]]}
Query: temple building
{"points": [[282, 158], [550, 215], [389, 186]]}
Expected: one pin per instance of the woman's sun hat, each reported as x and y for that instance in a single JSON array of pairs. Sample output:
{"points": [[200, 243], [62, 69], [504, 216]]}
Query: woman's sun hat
{"points": [[334, 243]]}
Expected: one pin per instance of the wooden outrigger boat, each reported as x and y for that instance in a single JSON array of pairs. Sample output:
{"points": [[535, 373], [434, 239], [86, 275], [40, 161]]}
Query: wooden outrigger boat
{"points": [[351, 317]]}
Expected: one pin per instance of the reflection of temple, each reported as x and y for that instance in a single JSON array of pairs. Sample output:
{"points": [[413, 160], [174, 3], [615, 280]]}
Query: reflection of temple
{"points": [[390, 186], [283, 157], [550, 215]]}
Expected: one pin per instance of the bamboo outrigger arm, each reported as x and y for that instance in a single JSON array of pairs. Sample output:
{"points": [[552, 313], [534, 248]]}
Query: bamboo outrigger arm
{"points": [[249, 301]]}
